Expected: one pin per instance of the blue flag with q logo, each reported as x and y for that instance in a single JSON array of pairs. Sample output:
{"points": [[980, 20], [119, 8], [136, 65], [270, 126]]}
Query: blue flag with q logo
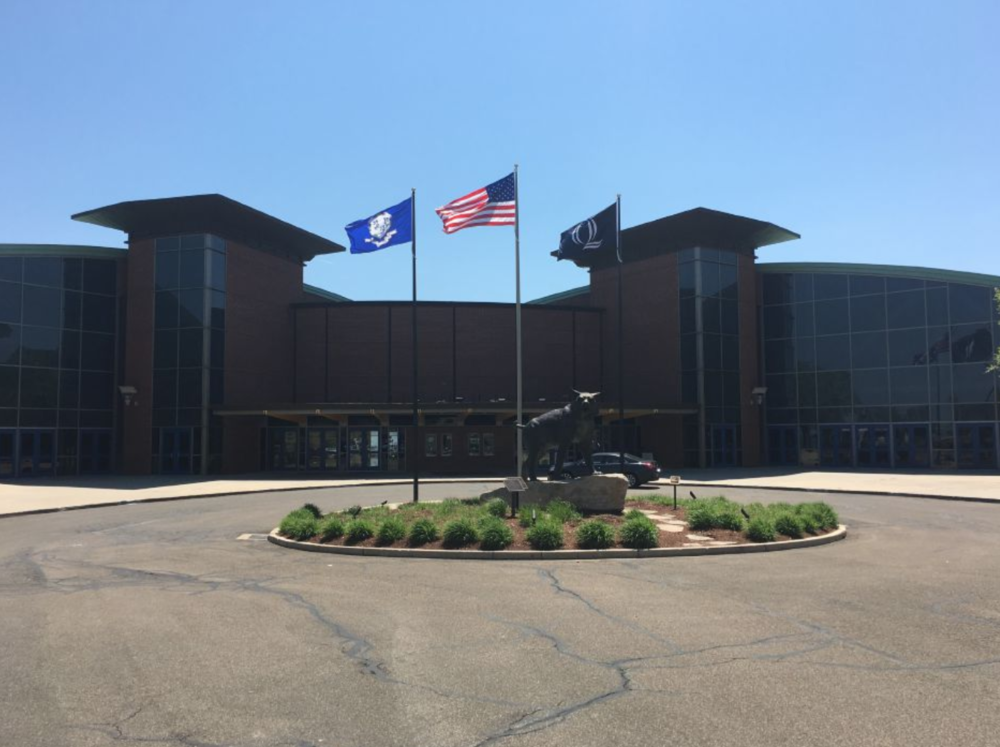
{"points": [[389, 227]]}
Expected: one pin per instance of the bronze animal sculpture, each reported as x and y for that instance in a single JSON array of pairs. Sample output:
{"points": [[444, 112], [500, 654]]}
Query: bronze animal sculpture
{"points": [[561, 428]]}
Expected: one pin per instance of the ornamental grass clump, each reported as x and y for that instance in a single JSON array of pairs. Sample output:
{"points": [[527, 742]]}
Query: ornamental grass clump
{"points": [[495, 534], [299, 525], [391, 530], [595, 535], [546, 534], [331, 527], [825, 516], [701, 515], [788, 523], [639, 533], [497, 507], [562, 511], [459, 533], [421, 532], [358, 530], [313, 509], [760, 528]]}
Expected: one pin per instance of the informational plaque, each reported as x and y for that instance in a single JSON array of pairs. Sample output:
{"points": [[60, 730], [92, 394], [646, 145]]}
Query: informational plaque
{"points": [[515, 484]]}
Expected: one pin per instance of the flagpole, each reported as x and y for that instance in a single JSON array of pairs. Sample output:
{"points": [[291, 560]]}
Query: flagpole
{"points": [[621, 338], [517, 318], [416, 416]]}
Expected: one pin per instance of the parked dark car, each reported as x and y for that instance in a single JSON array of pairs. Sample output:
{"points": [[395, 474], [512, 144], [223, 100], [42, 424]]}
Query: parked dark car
{"points": [[638, 471]]}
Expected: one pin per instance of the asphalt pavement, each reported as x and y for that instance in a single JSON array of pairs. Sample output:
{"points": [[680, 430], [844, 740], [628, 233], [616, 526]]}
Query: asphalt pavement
{"points": [[153, 624]]}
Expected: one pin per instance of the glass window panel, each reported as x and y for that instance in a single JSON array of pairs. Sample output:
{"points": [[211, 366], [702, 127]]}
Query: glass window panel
{"points": [[166, 270], [8, 385], [168, 244], [829, 286], [730, 353], [191, 270], [833, 353], [69, 389], [778, 322], [832, 317], [217, 243], [728, 258], [189, 387], [686, 279], [166, 309], [192, 305], [218, 268], [42, 306], [908, 385], [713, 388], [938, 346], [190, 354], [971, 384], [38, 418], [10, 344], [218, 353], [712, 351], [72, 309], [871, 387], [905, 309], [165, 348], [194, 241], [970, 303], [784, 415], [98, 352], [73, 274], [216, 383], [473, 444], [189, 416], [39, 388], [833, 389], [981, 411], [731, 392], [488, 444], [868, 313], [99, 313], [165, 388], [689, 386], [70, 349], [803, 282], [218, 301], [807, 390], [804, 324], [781, 390], [10, 302], [688, 314], [40, 346], [779, 355], [872, 414], [730, 319], [430, 444], [96, 390], [100, 276], [710, 284], [866, 285], [908, 347], [10, 269], [903, 284], [835, 415], [43, 271], [971, 343], [777, 288], [165, 416], [685, 255], [910, 413], [868, 350], [729, 282], [711, 315], [937, 306], [96, 419], [712, 255], [940, 383]]}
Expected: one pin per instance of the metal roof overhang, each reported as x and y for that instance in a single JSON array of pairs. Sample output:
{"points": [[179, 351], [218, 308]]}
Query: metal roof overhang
{"points": [[698, 227], [215, 214]]}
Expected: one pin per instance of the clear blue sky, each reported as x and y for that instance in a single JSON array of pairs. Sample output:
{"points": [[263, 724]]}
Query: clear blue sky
{"points": [[870, 127]]}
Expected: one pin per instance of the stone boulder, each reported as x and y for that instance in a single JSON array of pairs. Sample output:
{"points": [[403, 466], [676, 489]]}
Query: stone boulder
{"points": [[595, 494]]}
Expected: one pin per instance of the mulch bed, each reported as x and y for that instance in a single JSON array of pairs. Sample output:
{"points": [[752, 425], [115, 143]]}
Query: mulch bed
{"points": [[667, 539]]}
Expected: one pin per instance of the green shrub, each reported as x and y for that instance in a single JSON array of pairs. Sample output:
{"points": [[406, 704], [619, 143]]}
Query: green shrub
{"points": [[806, 514], [634, 514], [701, 515], [546, 535], [595, 535], [421, 532], [299, 525], [562, 511], [825, 515], [495, 534], [353, 511], [728, 516], [755, 508], [497, 507], [331, 527], [313, 509], [788, 523], [391, 530], [459, 533], [358, 530], [526, 518], [760, 528], [447, 507], [639, 533]]}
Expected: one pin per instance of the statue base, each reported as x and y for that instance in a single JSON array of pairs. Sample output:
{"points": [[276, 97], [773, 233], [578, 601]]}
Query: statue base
{"points": [[594, 494]]}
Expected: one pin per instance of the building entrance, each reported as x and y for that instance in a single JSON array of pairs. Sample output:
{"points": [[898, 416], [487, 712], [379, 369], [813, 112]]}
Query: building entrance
{"points": [[976, 445], [835, 446], [363, 446], [873, 445], [723, 447], [176, 446], [782, 445], [36, 455], [911, 444], [7, 454], [95, 452]]}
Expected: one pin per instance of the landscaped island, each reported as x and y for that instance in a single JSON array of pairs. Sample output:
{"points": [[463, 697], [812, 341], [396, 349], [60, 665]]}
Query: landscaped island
{"points": [[473, 524]]}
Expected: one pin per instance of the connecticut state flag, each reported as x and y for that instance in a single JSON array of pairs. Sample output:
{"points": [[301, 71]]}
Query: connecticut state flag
{"points": [[388, 227]]}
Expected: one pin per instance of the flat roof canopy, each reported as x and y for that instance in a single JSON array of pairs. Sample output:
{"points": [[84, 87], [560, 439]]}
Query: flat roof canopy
{"points": [[215, 214], [698, 227]]}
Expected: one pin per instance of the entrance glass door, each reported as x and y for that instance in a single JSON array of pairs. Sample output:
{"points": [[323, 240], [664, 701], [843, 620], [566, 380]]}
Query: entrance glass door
{"points": [[175, 451], [394, 462], [873, 445], [284, 448], [976, 445], [835, 446], [95, 452], [723, 445], [912, 445], [6, 454], [363, 447], [36, 456], [323, 448], [782, 445]]}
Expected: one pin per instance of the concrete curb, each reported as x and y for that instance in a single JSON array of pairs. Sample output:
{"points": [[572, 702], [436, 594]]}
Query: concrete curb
{"points": [[841, 491], [657, 552]]}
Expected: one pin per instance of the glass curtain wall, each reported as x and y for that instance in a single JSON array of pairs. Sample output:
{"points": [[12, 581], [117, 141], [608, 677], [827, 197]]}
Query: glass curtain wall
{"points": [[872, 371], [58, 335], [710, 363], [188, 353]]}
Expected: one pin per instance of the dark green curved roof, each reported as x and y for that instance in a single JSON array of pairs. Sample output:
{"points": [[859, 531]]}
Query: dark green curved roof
{"points": [[62, 250], [893, 271]]}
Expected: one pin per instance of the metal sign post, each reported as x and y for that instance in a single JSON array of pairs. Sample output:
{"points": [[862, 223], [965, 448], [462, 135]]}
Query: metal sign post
{"points": [[515, 486], [675, 480]]}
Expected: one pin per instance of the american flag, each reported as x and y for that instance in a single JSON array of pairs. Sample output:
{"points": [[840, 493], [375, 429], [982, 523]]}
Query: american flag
{"points": [[493, 205]]}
